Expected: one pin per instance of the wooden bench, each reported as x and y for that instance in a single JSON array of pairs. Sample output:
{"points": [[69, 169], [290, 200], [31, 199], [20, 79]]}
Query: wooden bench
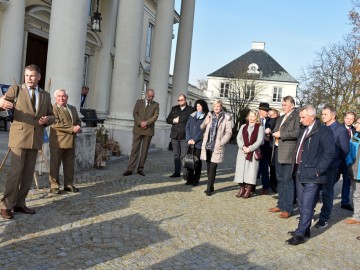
{"points": [[90, 118]]}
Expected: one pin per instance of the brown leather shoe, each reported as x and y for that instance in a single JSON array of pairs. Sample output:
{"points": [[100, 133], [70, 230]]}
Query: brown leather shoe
{"points": [[264, 192], [247, 194], [284, 215], [127, 173], [352, 221], [24, 210], [241, 192], [7, 214], [274, 210], [71, 189]]}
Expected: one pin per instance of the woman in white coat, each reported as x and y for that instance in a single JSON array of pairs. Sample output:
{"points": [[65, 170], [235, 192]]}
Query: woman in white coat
{"points": [[249, 139]]}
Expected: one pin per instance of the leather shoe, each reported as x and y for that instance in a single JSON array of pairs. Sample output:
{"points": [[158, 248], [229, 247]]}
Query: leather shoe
{"points": [[141, 172], [71, 189], [284, 215], [55, 191], [264, 192], [127, 173], [352, 221], [274, 210], [24, 210], [296, 240], [347, 207], [307, 233], [6, 214], [175, 175]]}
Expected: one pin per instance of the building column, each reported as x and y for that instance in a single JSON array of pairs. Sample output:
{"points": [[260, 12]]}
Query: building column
{"points": [[12, 42], [99, 96], [124, 88], [66, 50], [161, 53], [183, 50]]}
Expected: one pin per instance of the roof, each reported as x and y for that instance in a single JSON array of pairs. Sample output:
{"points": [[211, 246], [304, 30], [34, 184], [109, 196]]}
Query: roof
{"points": [[270, 70]]}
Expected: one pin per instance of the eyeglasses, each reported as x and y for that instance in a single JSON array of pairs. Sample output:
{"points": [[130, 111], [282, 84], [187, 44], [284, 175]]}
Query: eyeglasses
{"points": [[357, 123]]}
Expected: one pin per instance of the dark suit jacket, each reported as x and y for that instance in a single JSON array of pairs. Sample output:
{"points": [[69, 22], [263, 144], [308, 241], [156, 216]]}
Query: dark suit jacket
{"points": [[62, 131], [150, 115], [25, 131], [178, 130], [353, 129], [289, 132]]}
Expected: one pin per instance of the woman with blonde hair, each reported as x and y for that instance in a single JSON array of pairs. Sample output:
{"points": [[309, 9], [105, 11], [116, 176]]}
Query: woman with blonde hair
{"points": [[218, 132], [249, 139]]}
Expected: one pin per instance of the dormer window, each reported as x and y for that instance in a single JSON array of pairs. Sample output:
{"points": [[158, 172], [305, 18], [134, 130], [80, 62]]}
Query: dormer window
{"points": [[253, 69]]}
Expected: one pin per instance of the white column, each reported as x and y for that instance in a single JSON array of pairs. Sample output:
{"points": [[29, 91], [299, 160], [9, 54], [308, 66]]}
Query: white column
{"points": [[183, 50], [124, 88], [160, 59], [66, 50], [12, 41], [98, 97]]}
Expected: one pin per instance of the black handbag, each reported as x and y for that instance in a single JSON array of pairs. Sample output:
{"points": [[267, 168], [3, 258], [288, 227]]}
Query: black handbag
{"points": [[188, 160]]}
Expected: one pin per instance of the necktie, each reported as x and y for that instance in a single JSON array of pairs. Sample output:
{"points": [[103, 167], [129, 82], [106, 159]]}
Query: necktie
{"points": [[67, 113], [33, 99], [298, 157], [282, 122], [349, 131]]}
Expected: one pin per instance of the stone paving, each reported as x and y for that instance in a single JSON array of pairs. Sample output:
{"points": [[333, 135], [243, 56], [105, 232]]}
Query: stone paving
{"points": [[156, 222]]}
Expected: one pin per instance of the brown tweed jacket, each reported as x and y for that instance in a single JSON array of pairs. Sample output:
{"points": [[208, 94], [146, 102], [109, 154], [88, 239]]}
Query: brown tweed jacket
{"points": [[149, 114], [289, 132]]}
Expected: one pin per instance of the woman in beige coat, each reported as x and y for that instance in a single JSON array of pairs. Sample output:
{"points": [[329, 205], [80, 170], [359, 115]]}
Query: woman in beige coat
{"points": [[249, 139], [217, 134]]}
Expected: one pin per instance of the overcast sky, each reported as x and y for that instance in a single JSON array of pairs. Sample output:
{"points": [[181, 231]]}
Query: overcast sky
{"points": [[293, 30]]}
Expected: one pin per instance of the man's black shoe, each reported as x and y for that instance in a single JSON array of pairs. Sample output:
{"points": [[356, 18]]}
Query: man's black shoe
{"points": [[141, 172], [127, 173], [347, 207], [175, 175], [296, 240], [307, 233]]}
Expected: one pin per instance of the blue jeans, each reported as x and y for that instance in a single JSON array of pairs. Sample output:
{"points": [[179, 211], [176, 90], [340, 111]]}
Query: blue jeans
{"points": [[328, 194], [306, 195], [285, 185]]}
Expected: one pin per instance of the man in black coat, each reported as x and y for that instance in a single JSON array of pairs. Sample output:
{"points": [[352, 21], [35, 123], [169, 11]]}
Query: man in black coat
{"points": [[315, 150], [178, 118]]}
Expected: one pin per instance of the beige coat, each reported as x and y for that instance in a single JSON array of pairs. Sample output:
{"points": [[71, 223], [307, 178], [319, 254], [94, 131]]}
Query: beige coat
{"points": [[222, 137], [62, 131], [149, 115], [25, 131]]}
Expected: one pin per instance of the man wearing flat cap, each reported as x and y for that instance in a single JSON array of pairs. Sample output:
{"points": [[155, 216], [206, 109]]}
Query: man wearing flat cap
{"points": [[267, 123]]}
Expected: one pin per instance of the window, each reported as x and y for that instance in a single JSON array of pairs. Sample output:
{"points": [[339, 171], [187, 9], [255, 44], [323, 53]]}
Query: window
{"points": [[277, 94], [85, 70], [224, 89], [149, 42], [253, 69], [250, 92]]}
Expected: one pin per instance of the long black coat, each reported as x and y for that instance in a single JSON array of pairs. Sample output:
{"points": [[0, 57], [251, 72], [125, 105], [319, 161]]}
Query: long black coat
{"points": [[178, 130]]}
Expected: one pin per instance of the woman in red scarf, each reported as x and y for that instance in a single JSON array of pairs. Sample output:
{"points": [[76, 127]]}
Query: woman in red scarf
{"points": [[249, 139]]}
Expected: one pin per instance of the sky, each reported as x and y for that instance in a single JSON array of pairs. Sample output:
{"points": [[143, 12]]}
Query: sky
{"points": [[293, 31]]}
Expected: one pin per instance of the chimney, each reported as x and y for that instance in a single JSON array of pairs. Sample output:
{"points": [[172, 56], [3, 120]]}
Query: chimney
{"points": [[258, 45]]}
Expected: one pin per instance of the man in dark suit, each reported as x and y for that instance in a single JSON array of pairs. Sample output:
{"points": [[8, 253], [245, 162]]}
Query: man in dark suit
{"points": [[342, 146], [265, 148], [285, 135], [178, 117], [314, 153], [62, 142], [146, 112], [84, 93], [32, 113], [349, 120]]}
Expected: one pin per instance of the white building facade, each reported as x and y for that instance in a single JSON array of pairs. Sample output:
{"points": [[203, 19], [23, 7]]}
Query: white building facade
{"points": [[130, 54]]}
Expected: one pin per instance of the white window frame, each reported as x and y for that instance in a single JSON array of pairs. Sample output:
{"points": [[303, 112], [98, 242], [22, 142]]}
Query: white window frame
{"points": [[149, 40], [277, 94], [85, 70], [250, 91], [224, 89]]}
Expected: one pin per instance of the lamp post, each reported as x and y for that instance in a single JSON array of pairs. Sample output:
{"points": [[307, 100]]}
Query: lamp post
{"points": [[95, 19]]}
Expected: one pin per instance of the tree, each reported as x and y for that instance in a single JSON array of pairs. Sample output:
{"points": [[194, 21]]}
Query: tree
{"points": [[333, 77], [202, 84]]}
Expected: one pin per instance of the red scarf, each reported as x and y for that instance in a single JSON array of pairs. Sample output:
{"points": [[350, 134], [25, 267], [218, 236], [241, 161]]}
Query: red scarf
{"points": [[252, 140]]}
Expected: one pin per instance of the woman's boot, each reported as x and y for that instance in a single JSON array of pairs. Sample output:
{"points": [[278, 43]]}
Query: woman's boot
{"points": [[241, 191], [248, 189]]}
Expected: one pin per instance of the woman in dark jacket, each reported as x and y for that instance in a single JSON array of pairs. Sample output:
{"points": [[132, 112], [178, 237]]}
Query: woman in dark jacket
{"points": [[194, 137]]}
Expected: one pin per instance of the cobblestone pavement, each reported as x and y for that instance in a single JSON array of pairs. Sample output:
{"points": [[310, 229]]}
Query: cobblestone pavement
{"points": [[156, 222]]}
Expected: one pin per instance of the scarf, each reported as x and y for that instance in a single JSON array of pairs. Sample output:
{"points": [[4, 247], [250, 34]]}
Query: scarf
{"points": [[252, 140], [215, 122]]}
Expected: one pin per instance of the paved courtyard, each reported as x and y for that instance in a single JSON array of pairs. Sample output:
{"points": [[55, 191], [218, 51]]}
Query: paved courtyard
{"points": [[156, 222]]}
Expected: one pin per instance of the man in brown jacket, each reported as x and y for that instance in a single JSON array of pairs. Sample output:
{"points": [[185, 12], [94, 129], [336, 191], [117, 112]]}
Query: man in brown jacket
{"points": [[62, 142], [146, 112], [32, 112]]}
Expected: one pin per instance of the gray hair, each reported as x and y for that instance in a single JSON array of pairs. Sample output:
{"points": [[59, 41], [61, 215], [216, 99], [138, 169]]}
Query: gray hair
{"points": [[60, 90], [310, 109]]}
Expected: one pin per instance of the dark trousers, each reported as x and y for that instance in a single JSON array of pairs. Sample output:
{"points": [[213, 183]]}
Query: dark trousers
{"points": [[306, 197], [264, 172], [211, 170], [327, 194], [286, 186], [194, 175], [273, 180], [345, 191], [179, 149]]}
